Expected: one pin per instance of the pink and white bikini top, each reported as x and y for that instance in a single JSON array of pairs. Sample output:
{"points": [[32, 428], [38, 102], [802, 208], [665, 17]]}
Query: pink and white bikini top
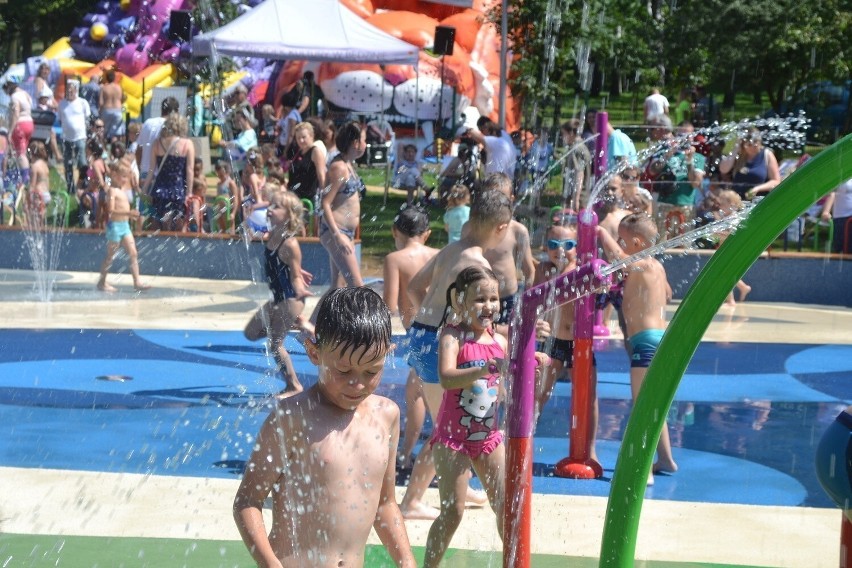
{"points": [[470, 412]]}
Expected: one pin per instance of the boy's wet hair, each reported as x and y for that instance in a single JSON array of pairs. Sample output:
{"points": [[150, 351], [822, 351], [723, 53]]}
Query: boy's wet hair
{"points": [[641, 225], [464, 279], [351, 318], [412, 221], [490, 207]]}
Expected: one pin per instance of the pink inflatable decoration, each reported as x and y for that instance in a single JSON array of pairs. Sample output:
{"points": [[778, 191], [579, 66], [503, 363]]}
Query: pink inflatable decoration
{"points": [[150, 42]]}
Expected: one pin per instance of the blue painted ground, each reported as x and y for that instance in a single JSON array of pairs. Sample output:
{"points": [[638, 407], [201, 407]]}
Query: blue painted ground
{"points": [[744, 424]]}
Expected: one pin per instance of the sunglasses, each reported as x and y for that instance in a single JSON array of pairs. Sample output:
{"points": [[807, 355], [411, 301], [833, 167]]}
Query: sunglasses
{"points": [[567, 244]]}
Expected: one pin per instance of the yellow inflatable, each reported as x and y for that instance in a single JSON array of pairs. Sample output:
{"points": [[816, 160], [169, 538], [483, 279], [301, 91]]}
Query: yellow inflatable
{"points": [[153, 76], [228, 80], [133, 105], [59, 48], [74, 66]]}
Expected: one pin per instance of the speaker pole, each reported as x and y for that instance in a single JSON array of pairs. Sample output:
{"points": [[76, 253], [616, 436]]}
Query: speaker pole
{"points": [[504, 24], [441, 101]]}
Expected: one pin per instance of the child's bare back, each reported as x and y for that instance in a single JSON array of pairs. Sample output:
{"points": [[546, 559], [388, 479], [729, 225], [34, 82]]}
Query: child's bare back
{"points": [[645, 296], [438, 274], [326, 474], [404, 264]]}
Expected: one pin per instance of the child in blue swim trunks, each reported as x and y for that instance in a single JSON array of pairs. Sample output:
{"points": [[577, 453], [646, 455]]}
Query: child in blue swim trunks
{"points": [[118, 233], [646, 293]]}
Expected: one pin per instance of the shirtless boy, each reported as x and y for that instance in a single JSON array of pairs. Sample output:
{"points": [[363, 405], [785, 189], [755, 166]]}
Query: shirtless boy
{"points": [[327, 455], [488, 225], [118, 233], [646, 292], [509, 255], [410, 233], [109, 106]]}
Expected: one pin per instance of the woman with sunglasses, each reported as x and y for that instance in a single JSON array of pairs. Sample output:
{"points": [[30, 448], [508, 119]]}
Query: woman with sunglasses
{"points": [[753, 169]]}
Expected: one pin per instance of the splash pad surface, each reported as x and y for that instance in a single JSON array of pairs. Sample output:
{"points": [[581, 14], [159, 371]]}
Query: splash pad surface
{"points": [[180, 422]]}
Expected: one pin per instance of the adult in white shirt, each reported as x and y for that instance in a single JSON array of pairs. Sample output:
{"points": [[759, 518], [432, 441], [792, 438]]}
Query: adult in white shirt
{"points": [[150, 133], [500, 153], [74, 114], [655, 105]]}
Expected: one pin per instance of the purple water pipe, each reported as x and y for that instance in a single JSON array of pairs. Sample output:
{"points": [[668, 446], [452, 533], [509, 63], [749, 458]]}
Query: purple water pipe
{"points": [[596, 327], [577, 284]]}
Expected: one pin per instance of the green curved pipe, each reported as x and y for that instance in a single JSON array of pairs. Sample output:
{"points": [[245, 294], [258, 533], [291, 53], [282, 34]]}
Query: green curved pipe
{"points": [[765, 222]]}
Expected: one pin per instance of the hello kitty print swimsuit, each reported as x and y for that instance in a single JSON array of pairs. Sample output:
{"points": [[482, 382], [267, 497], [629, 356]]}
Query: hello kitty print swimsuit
{"points": [[467, 419]]}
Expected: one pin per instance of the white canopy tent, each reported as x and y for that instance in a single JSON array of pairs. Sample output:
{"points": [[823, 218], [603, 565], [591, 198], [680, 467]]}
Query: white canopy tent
{"points": [[318, 30]]}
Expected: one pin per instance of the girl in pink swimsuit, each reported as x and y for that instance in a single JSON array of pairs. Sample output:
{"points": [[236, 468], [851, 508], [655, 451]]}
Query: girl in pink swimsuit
{"points": [[470, 354]]}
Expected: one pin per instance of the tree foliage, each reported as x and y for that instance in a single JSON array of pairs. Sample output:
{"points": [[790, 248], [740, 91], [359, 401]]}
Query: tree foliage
{"points": [[763, 47], [22, 24]]}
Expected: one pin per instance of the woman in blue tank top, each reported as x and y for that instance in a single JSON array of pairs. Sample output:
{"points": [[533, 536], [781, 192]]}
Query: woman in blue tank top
{"points": [[755, 168]]}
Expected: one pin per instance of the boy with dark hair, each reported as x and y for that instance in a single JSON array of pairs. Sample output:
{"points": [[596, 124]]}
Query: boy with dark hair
{"points": [[327, 455], [410, 233]]}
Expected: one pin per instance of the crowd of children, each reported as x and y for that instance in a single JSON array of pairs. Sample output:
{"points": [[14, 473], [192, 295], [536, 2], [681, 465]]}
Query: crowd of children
{"points": [[455, 305]]}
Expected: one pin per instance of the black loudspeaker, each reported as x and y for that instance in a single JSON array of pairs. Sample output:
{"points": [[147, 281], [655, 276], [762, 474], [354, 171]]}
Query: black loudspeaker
{"points": [[444, 38], [180, 26]]}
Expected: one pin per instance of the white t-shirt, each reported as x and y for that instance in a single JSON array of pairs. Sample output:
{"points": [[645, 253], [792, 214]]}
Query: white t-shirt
{"points": [[501, 155], [73, 116], [147, 136], [656, 104], [843, 200]]}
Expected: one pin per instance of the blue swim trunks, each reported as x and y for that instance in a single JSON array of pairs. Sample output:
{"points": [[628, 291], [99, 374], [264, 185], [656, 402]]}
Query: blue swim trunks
{"points": [[507, 304], [644, 345], [423, 351], [117, 230]]}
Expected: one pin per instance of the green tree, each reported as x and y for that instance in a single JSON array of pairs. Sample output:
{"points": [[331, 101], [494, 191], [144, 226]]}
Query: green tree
{"points": [[24, 24]]}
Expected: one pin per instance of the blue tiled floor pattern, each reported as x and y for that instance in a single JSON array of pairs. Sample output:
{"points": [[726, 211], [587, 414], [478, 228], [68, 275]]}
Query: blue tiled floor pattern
{"points": [[744, 424]]}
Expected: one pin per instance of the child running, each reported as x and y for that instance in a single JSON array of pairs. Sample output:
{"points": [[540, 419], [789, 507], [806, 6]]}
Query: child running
{"points": [[327, 455], [646, 293], [466, 433], [284, 275], [118, 231], [410, 233]]}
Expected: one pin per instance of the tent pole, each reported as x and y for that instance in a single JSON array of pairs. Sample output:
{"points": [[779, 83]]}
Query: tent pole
{"points": [[504, 23], [387, 154]]}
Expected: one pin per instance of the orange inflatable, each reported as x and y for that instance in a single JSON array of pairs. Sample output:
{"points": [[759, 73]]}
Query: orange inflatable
{"points": [[471, 75]]}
